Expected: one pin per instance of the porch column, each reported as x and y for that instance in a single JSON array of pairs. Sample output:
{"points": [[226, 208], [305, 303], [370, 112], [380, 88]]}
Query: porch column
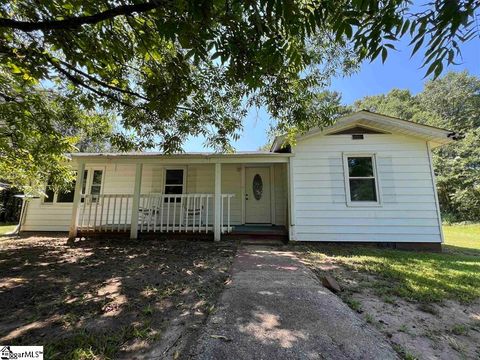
{"points": [[72, 233], [136, 201], [217, 231]]}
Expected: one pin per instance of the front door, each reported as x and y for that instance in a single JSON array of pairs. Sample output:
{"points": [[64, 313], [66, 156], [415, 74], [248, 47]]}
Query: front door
{"points": [[257, 195]]}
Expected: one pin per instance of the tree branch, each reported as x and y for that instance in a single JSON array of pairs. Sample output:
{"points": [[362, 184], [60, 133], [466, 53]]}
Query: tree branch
{"points": [[75, 22], [102, 83]]}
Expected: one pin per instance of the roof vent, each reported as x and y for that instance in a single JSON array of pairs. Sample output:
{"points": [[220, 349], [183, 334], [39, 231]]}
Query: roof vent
{"points": [[357, 137]]}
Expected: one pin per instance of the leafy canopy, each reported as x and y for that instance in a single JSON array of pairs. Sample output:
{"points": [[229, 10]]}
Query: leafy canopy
{"points": [[451, 102], [173, 68], [37, 129]]}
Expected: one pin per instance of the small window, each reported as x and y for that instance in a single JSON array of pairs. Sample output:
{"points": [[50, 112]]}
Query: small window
{"points": [[361, 181], [173, 183], [64, 196]]}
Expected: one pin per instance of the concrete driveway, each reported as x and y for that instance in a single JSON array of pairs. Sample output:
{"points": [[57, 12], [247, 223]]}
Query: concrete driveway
{"points": [[275, 308]]}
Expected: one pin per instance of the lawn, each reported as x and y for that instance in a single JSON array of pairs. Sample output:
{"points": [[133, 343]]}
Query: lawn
{"points": [[462, 236], [7, 228], [427, 304], [108, 299], [419, 276]]}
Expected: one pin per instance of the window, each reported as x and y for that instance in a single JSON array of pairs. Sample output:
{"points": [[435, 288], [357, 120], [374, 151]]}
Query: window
{"points": [[66, 196], [96, 184], [360, 180], [173, 183], [92, 184]]}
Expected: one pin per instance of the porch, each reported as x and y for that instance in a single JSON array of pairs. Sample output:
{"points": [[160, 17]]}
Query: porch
{"points": [[172, 197]]}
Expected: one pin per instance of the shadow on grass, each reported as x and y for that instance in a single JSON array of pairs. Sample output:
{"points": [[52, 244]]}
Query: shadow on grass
{"points": [[415, 276], [97, 297]]}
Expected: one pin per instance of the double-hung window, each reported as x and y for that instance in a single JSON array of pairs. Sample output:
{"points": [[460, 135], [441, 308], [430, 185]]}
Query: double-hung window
{"points": [[361, 181], [174, 183]]}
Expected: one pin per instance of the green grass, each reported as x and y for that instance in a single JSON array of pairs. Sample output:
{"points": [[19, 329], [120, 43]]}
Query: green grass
{"points": [[462, 236], [7, 228], [415, 276]]}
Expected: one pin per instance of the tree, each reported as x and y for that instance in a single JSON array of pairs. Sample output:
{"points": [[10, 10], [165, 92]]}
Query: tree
{"points": [[175, 68], [451, 102], [38, 128]]}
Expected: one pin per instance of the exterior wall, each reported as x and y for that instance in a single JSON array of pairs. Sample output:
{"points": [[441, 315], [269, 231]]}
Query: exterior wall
{"points": [[120, 179], [280, 193], [408, 211]]}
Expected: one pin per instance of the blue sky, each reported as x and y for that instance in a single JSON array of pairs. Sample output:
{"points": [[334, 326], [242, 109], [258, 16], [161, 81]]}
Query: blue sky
{"points": [[399, 71]]}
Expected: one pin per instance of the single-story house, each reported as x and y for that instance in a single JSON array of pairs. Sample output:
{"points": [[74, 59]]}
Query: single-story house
{"points": [[367, 178]]}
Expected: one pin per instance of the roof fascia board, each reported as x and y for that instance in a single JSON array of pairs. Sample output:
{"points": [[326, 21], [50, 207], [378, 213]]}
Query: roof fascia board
{"points": [[129, 159]]}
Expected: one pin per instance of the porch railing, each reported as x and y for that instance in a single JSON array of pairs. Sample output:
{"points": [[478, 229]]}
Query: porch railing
{"points": [[157, 213]]}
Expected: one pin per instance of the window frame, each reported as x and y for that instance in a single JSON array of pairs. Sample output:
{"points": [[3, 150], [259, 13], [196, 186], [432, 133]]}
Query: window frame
{"points": [[184, 180], [346, 176]]}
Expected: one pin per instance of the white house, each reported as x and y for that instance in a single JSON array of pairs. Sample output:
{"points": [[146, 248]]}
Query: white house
{"points": [[367, 178]]}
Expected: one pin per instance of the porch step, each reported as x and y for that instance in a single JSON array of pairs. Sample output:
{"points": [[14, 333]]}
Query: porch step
{"points": [[262, 242], [261, 235]]}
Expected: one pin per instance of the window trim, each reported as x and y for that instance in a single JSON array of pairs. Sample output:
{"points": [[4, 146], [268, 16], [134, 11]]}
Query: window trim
{"points": [[184, 185], [346, 177]]}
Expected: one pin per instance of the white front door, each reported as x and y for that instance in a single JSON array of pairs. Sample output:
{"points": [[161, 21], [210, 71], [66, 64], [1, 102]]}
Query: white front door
{"points": [[257, 195]]}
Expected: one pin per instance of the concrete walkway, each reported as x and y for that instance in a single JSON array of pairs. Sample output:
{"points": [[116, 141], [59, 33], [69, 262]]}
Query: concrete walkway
{"points": [[275, 308]]}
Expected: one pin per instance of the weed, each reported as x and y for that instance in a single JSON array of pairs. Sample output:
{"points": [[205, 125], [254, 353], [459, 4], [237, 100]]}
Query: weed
{"points": [[403, 352], [353, 304], [147, 310], [459, 329], [369, 318]]}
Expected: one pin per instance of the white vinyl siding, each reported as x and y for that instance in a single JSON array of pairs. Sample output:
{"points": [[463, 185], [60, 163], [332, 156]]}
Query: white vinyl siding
{"points": [[280, 193], [407, 212]]}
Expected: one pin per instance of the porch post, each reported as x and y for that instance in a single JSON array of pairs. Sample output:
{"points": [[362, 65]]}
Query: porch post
{"points": [[136, 201], [72, 233], [218, 200]]}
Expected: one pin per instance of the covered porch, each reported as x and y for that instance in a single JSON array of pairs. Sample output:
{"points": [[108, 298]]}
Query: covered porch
{"points": [[209, 195]]}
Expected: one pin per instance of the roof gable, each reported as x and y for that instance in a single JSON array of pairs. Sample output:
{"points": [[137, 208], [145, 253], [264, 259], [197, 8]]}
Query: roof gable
{"points": [[379, 123]]}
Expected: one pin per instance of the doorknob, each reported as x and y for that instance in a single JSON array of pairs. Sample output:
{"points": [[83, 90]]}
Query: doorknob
{"points": [[246, 196]]}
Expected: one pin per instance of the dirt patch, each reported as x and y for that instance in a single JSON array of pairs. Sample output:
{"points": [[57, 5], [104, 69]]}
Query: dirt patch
{"points": [[109, 298], [417, 330]]}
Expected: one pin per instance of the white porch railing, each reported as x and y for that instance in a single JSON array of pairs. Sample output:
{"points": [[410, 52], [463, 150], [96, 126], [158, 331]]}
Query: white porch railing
{"points": [[157, 213]]}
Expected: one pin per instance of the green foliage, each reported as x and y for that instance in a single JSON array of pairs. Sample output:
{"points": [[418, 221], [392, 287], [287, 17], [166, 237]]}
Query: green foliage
{"points": [[170, 69], [451, 102], [38, 128]]}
